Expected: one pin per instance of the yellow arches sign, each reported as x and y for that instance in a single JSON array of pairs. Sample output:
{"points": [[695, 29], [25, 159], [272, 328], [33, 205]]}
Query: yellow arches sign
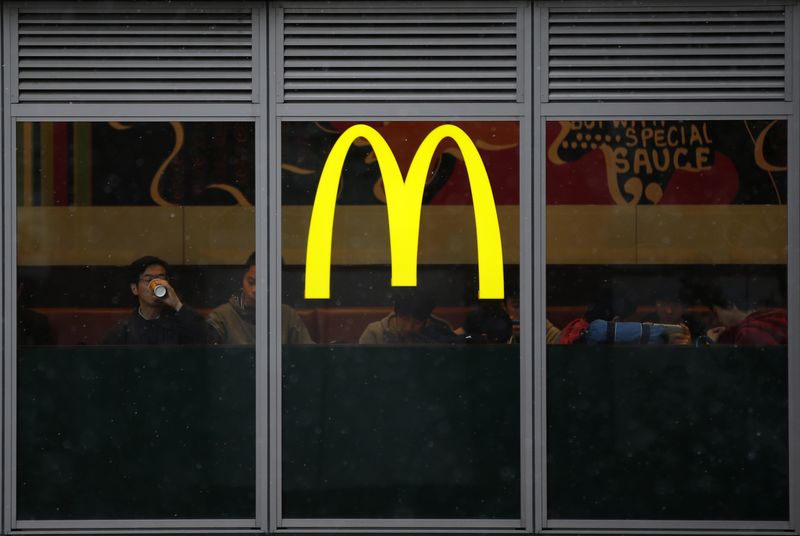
{"points": [[404, 206]]}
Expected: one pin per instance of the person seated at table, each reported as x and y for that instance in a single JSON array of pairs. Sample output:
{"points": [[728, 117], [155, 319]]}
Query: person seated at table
{"points": [[412, 321], [669, 301], [551, 332], [743, 319], [234, 322], [489, 323], [160, 316], [604, 323]]}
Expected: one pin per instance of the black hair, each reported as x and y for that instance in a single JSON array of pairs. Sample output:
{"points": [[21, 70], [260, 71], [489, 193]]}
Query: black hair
{"points": [[413, 302], [251, 261], [137, 267]]}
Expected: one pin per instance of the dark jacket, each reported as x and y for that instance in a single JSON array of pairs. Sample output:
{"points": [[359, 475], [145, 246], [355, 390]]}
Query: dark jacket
{"points": [[762, 328], [183, 327]]}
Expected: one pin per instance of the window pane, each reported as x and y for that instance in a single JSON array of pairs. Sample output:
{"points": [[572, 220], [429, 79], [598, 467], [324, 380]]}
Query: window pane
{"points": [[125, 411], [401, 402], [667, 323]]}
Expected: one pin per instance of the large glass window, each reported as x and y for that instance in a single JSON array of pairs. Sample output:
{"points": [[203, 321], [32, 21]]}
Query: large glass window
{"points": [[400, 401], [135, 392], [666, 320]]}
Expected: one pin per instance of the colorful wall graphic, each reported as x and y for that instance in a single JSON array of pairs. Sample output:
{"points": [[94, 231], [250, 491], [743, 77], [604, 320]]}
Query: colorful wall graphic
{"points": [[305, 147], [666, 162], [135, 164]]}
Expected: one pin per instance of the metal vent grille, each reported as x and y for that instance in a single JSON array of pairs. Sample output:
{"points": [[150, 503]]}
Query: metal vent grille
{"points": [[403, 54], [135, 55], [666, 54]]}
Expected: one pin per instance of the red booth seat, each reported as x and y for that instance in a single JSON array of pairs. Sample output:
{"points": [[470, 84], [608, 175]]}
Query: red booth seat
{"points": [[90, 325]]}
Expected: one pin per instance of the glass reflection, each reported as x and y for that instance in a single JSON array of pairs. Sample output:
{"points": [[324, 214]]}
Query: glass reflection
{"points": [[386, 415], [666, 319], [129, 237]]}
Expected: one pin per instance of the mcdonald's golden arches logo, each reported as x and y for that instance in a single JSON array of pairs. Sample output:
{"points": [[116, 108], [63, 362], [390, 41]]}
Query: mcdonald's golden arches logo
{"points": [[404, 207]]}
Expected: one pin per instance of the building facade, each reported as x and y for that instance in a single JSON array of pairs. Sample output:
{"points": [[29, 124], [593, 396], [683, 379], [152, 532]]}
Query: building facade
{"points": [[599, 201]]}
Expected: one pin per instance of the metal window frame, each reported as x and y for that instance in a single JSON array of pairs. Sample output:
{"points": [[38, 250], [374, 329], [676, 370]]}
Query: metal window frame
{"points": [[788, 110], [519, 111], [278, 522], [12, 112], [11, 522]]}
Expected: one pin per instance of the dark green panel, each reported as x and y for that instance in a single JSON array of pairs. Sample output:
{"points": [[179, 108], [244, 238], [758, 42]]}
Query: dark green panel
{"points": [[667, 433], [131, 433], [401, 432]]}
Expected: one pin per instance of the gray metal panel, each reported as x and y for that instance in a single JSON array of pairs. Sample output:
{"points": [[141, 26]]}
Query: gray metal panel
{"points": [[526, 269], [124, 45], [263, 255], [398, 110], [164, 63], [323, 44], [4, 105], [774, 75], [717, 52], [406, 105], [538, 233], [46, 111], [211, 109], [673, 95], [674, 110], [174, 524], [124, 97], [719, 106], [649, 524], [270, 243], [449, 525], [791, 54], [793, 272], [390, 63], [9, 279], [662, 62], [410, 50]]}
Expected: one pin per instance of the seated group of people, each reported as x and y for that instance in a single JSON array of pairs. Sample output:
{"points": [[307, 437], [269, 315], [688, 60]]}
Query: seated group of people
{"points": [[736, 318], [162, 318], [413, 321]]}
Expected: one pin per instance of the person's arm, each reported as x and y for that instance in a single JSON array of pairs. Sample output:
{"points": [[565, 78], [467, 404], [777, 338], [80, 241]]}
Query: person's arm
{"points": [[682, 337], [369, 336], [754, 336], [216, 331], [552, 333], [296, 330], [191, 326]]}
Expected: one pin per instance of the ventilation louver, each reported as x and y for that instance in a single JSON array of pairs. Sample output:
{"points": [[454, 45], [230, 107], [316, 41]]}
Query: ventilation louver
{"points": [[666, 54], [402, 54], [135, 55]]}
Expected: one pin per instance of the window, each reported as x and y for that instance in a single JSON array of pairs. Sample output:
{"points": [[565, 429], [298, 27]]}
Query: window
{"points": [[391, 393], [130, 404], [667, 320]]}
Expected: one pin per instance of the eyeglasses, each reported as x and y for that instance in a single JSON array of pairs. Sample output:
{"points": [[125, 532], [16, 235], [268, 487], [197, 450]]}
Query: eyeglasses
{"points": [[148, 278]]}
